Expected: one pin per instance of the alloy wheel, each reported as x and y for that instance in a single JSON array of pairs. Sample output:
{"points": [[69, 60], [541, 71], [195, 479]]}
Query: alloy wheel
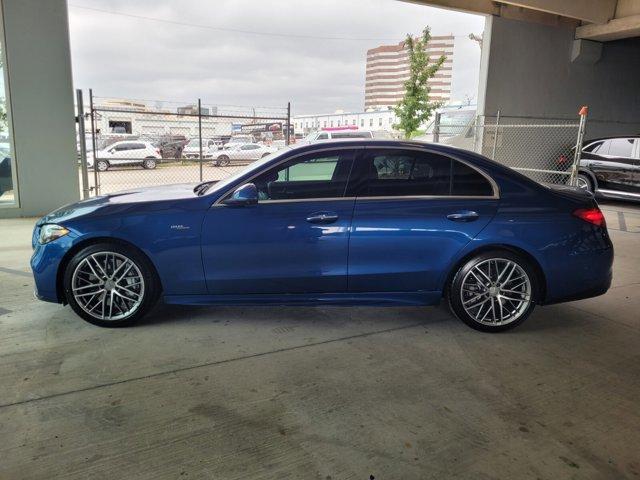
{"points": [[108, 286], [583, 183], [496, 291]]}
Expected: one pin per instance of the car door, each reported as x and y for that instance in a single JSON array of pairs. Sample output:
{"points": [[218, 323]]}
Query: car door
{"points": [[120, 153], [613, 164], [414, 211], [295, 240]]}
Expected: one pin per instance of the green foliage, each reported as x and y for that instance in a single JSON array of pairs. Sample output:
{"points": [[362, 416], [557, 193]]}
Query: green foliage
{"points": [[415, 108]]}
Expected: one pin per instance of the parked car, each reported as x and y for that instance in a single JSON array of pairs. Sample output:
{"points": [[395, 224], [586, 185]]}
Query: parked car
{"points": [[609, 167], [237, 140], [125, 153], [170, 146], [192, 148], [6, 180], [348, 223], [337, 134], [247, 151]]}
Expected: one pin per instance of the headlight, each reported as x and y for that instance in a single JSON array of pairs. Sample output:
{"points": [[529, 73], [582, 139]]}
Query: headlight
{"points": [[51, 232]]}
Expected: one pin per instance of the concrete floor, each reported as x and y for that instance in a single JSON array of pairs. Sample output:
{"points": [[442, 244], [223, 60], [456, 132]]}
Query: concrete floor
{"points": [[324, 393]]}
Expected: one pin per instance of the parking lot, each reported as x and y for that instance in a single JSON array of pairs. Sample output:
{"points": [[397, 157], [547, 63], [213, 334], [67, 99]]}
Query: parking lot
{"points": [[328, 393]]}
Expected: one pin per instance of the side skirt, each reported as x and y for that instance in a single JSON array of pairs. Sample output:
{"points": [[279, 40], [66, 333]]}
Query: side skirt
{"points": [[365, 298]]}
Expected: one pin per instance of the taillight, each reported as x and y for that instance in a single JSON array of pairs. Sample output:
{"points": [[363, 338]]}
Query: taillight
{"points": [[562, 159], [591, 215]]}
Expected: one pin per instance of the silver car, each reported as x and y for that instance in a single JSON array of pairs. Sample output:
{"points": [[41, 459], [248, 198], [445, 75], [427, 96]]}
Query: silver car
{"points": [[242, 153]]}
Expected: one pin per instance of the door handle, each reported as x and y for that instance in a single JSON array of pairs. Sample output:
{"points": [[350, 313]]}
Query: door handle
{"points": [[322, 217], [463, 216]]}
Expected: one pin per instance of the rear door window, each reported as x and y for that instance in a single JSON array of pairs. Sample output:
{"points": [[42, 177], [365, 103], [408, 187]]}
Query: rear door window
{"points": [[401, 173]]}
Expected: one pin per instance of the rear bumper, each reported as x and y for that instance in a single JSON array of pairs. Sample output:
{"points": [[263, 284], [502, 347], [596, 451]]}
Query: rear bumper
{"points": [[580, 275]]}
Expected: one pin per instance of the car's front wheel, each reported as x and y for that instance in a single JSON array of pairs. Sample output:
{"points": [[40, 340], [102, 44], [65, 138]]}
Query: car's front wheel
{"points": [[149, 163], [493, 291], [110, 285]]}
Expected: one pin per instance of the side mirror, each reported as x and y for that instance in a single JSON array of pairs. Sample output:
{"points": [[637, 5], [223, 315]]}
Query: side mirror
{"points": [[244, 195]]}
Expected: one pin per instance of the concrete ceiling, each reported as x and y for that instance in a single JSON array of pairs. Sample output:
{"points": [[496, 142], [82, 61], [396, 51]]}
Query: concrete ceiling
{"points": [[600, 20]]}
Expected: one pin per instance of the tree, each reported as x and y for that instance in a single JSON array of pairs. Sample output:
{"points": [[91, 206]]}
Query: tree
{"points": [[415, 108]]}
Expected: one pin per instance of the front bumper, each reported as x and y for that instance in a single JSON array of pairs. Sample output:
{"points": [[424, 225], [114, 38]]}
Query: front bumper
{"points": [[45, 263]]}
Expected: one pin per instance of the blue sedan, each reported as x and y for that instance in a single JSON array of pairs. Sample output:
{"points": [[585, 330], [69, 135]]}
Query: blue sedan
{"points": [[347, 223]]}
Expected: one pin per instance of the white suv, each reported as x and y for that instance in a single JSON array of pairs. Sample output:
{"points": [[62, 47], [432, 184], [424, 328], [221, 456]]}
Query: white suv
{"points": [[128, 152]]}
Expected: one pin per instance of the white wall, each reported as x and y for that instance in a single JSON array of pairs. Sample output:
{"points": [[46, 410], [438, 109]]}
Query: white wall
{"points": [[41, 96]]}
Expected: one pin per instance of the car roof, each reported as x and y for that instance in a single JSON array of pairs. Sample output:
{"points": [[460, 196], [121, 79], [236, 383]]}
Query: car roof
{"points": [[599, 139]]}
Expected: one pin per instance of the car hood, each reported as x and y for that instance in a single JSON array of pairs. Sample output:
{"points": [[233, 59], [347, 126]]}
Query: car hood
{"points": [[121, 201]]}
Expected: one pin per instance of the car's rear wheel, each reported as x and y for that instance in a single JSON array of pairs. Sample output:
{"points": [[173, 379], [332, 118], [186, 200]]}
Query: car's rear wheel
{"points": [[149, 163], [493, 291], [110, 285], [102, 165], [584, 182], [223, 161]]}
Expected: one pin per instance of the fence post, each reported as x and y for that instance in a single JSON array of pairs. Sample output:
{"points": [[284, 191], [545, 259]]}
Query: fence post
{"points": [[495, 137], [578, 150], [288, 136], [436, 128], [94, 143], [200, 134], [83, 145]]}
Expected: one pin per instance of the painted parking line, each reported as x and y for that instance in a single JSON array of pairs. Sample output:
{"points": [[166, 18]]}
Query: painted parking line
{"points": [[623, 221]]}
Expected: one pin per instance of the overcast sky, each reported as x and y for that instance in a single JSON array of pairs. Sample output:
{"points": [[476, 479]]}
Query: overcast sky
{"points": [[248, 52]]}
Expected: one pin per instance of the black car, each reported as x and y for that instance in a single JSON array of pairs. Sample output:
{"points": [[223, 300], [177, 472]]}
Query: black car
{"points": [[610, 167]]}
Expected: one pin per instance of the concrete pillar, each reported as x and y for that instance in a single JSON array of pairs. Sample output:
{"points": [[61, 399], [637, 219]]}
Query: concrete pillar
{"points": [[40, 92], [527, 70]]}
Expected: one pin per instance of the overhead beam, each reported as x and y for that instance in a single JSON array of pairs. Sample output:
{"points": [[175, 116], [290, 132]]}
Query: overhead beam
{"points": [[613, 30], [487, 7], [593, 11]]}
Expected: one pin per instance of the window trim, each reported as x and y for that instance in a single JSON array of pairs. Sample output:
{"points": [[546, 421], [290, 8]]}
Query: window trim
{"points": [[494, 185]]}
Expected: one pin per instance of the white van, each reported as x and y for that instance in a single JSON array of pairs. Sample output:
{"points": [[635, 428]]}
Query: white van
{"points": [[335, 135]]}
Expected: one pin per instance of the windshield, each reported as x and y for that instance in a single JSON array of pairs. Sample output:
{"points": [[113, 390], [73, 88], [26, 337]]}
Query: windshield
{"points": [[194, 142], [249, 168]]}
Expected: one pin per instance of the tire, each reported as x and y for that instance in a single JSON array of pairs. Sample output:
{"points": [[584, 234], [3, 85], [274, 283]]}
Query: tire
{"points": [[136, 292], [584, 182], [486, 306], [223, 161], [149, 163], [102, 165]]}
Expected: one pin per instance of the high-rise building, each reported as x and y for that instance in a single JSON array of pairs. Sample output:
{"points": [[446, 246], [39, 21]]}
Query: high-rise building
{"points": [[388, 68]]}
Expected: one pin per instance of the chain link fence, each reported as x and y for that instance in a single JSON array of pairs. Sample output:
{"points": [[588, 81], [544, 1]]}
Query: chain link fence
{"points": [[543, 149], [134, 144]]}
